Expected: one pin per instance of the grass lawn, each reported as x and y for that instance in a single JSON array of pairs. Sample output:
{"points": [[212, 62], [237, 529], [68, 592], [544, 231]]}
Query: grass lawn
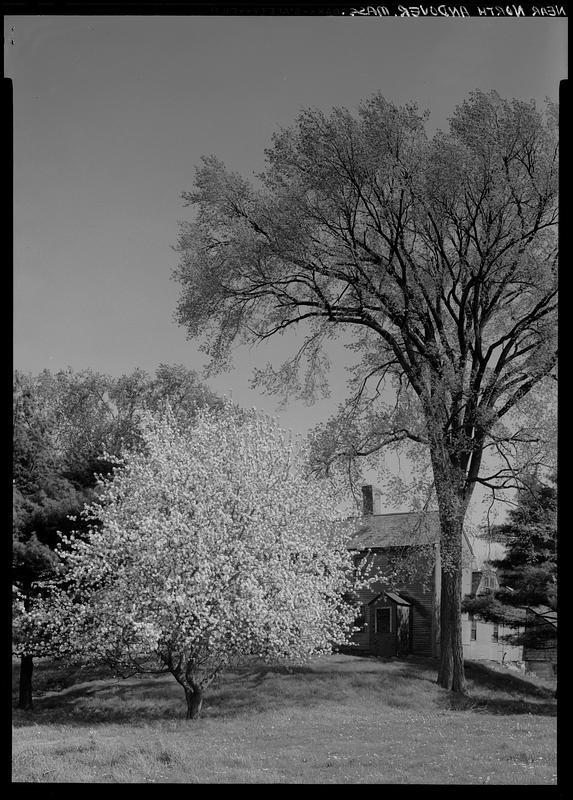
{"points": [[343, 719]]}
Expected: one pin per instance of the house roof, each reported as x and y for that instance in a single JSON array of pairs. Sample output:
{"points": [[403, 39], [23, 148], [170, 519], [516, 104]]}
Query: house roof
{"points": [[398, 599], [396, 530]]}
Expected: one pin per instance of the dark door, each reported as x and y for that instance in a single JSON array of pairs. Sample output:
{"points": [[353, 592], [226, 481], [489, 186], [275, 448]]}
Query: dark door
{"points": [[383, 641]]}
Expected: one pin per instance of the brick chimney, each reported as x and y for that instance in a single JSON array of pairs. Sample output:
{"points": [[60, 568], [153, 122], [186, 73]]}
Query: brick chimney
{"points": [[371, 500]]}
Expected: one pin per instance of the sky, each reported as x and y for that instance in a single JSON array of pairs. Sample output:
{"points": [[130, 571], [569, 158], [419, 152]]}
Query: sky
{"points": [[112, 114]]}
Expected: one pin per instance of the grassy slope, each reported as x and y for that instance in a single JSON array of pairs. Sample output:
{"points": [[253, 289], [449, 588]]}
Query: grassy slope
{"points": [[345, 720]]}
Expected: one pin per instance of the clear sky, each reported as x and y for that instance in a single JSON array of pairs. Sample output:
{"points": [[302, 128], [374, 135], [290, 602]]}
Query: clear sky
{"points": [[111, 115]]}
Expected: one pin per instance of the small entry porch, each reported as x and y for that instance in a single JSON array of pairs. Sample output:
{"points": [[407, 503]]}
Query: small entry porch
{"points": [[390, 624]]}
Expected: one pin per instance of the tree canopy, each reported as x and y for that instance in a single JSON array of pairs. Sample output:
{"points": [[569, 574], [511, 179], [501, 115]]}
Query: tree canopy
{"points": [[209, 544], [439, 253]]}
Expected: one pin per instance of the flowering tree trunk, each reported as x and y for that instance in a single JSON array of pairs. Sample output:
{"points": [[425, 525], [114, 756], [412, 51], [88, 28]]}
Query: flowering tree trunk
{"points": [[192, 685], [194, 699]]}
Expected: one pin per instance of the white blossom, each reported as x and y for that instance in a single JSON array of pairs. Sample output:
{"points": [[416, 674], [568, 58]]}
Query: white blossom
{"points": [[210, 544]]}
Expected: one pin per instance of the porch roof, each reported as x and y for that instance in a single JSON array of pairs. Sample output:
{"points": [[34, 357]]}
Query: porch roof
{"points": [[394, 596]]}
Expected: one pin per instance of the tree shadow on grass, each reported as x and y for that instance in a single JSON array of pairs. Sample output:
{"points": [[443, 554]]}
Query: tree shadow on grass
{"points": [[109, 701], [510, 707], [501, 692], [248, 670], [272, 688], [256, 688], [490, 690], [248, 689], [488, 704], [485, 677], [142, 700]]}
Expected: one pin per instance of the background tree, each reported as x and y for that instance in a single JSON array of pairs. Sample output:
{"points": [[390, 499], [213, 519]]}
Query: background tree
{"points": [[437, 257], [528, 570], [43, 497], [65, 425], [211, 543]]}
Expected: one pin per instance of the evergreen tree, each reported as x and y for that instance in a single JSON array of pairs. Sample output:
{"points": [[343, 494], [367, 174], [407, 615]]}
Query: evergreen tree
{"points": [[42, 499], [528, 570]]}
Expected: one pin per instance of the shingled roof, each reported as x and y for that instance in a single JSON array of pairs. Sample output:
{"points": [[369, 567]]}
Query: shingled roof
{"points": [[396, 530]]}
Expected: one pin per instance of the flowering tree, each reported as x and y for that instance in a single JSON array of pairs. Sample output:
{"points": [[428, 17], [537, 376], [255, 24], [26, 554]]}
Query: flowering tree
{"points": [[210, 544]]}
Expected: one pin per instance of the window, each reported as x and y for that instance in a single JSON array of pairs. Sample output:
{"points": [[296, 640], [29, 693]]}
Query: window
{"points": [[473, 633], [489, 581], [383, 621], [495, 634]]}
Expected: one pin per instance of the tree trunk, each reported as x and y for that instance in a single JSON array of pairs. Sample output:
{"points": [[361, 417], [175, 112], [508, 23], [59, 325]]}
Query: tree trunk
{"points": [[25, 695], [451, 665], [192, 686], [194, 698], [452, 503]]}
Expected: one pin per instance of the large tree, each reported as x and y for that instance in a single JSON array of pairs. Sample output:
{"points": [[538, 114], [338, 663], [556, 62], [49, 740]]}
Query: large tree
{"points": [[436, 256], [210, 544], [66, 426]]}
